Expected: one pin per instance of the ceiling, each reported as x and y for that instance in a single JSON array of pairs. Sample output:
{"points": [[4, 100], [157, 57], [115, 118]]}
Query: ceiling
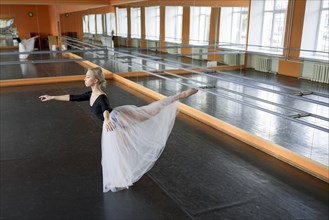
{"points": [[69, 2]]}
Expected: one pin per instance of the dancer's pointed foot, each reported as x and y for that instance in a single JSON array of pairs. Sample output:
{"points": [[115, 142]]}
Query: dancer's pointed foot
{"points": [[187, 93]]}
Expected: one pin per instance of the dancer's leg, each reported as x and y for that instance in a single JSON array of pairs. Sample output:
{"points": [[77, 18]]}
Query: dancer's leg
{"points": [[128, 116], [186, 93], [155, 107]]}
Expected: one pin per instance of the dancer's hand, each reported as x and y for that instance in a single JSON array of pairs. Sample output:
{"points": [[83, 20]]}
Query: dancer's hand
{"points": [[109, 125], [45, 98]]}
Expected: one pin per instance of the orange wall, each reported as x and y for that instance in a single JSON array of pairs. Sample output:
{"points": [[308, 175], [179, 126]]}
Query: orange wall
{"points": [[40, 22], [286, 66], [73, 22]]}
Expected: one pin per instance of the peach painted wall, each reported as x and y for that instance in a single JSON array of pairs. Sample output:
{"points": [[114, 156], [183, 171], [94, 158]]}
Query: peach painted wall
{"points": [[39, 23], [73, 22], [288, 67]]}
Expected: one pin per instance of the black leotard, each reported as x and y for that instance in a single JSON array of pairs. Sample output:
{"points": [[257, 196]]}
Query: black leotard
{"points": [[100, 105]]}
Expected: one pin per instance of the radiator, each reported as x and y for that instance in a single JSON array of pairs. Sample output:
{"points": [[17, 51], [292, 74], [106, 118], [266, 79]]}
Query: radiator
{"points": [[320, 73], [231, 59], [135, 43], [263, 64], [152, 44]]}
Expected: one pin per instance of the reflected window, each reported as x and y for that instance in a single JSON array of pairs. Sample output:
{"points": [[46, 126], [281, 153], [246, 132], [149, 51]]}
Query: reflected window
{"points": [[199, 25], [92, 24], [315, 38], [99, 24], [109, 20], [152, 23], [7, 27], [135, 20], [173, 24], [122, 29], [267, 25], [85, 24], [233, 26]]}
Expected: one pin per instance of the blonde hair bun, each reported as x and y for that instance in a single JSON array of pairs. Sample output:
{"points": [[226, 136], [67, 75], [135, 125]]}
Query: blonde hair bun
{"points": [[98, 73]]}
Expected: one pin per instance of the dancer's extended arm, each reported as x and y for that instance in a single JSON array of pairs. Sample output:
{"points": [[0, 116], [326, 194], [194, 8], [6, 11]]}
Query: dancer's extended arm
{"points": [[58, 98]]}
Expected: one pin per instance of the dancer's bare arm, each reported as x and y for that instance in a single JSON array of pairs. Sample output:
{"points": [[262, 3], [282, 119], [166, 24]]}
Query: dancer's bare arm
{"points": [[108, 123], [45, 98]]}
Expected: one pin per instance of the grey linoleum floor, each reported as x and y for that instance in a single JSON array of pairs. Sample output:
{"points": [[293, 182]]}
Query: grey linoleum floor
{"points": [[50, 168]]}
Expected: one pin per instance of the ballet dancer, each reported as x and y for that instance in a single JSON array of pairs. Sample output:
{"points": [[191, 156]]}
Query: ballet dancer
{"points": [[26, 45], [133, 138]]}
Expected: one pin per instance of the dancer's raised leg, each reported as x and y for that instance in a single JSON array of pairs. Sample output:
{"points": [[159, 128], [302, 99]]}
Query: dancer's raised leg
{"points": [[155, 107], [186, 93]]}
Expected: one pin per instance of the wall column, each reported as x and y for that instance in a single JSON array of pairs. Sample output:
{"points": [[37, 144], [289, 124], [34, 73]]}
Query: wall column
{"points": [[296, 11]]}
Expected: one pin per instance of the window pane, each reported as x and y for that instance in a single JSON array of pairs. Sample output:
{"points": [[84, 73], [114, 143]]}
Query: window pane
{"points": [[281, 4], [173, 24], [92, 24], [278, 30], [152, 23], [86, 24], [267, 29], [199, 25], [315, 38], [122, 29], [110, 23], [269, 5], [99, 22], [323, 36], [135, 22]]}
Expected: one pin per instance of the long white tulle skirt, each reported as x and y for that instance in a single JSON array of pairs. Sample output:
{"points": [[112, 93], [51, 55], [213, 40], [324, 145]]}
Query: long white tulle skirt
{"points": [[139, 137]]}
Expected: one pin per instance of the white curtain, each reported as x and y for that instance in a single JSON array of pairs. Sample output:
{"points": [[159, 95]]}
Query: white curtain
{"points": [[233, 27], [199, 25], [92, 24], [85, 23], [110, 23], [315, 37], [135, 20], [122, 27], [267, 26], [152, 25], [99, 23], [173, 24]]}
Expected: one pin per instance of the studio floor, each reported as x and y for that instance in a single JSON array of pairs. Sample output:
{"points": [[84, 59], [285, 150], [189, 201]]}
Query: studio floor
{"points": [[50, 168], [50, 152]]}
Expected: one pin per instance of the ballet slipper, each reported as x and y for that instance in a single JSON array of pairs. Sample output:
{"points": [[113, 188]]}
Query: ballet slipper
{"points": [[187, 93]]}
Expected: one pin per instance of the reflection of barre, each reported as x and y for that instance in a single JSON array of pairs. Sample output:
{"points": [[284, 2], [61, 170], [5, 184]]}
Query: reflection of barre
{"points": [[207, 87]]}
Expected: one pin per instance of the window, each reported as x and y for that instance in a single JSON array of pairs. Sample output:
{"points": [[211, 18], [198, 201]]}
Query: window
{"points": [[267, 25], [85, 23], [199, 25], [315, 37], [135, 21], [99, 24], [173, 27], [122, 29], [110, 23], [152, 25], [233, 27], [92, 24]]}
